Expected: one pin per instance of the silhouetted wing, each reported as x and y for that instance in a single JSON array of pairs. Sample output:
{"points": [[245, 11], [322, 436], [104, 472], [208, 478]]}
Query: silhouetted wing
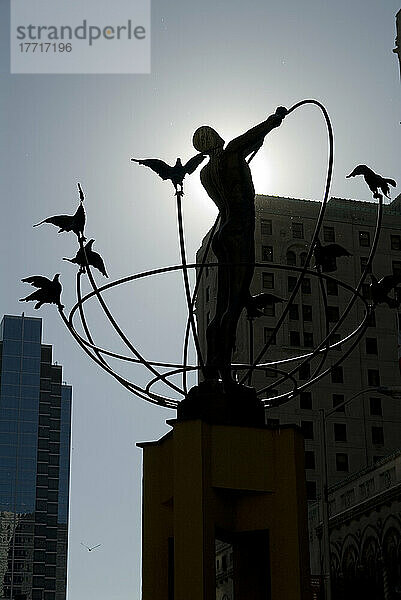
{"points": [[388, 282], [336, 250], [158, 166], [93, 547], [81, 194], [62, 221], [38, 281], [391, 182], [194, 163]]}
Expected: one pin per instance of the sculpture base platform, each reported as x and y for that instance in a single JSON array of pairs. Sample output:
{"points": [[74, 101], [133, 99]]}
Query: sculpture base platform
{"points": [[243, 485], [208, 401]]}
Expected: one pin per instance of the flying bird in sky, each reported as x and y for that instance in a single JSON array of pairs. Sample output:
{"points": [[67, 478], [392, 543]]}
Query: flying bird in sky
{"points": [[92, 548], [325, 256], [374, 181], [381, 288], [256, 304], [75, 222], [94, 259], [48, 292], [176, 173]]}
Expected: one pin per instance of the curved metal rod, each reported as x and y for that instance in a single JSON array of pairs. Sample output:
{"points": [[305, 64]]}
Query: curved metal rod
{"points": [[363, 326], [316, 232], [355, 292], [327, 323], [186, 284], [177, 371], [133, 388], [116, 326]]}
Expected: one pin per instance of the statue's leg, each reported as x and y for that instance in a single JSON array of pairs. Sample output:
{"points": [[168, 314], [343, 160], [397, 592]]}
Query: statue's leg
{"points": [[213, 334], [239, 280]]}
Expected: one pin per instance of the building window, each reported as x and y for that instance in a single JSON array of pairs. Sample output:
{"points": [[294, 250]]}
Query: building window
{"points": [[338, 399], [311, 490], [268, 281], [340, 432], [332, 287], [271, 373], [342, 461], [395, 242], [298, 231], [337, 375], [364, 239], [371, 345], [373, 377], [267, 332], [363, 262], [308, 339], [377, 436], [305, 400], [269, 309], [295, 338], [307, 429], [291, 258], [267, 253], [307, 312], [310, 459], [207, 294], [293, 312], [376, 407], [305, 286], [291, 283], [265, 227], [304, 371], [333, 314], [329, 234], [302, 258], [396, 264]]}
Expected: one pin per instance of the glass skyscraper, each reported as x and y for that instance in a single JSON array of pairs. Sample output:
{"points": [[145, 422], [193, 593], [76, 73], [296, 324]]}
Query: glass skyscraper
{"points": [[35, 426]]}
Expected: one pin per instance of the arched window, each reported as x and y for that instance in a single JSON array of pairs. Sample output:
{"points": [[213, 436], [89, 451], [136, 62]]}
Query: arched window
{"points": [[291, 258]]}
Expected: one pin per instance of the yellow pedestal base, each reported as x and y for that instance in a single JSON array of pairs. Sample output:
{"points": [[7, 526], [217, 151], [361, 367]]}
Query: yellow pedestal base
{"points": [[244, 485]]}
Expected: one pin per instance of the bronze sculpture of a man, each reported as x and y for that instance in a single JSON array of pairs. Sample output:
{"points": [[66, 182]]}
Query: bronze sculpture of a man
{"points": [[227, 180]]}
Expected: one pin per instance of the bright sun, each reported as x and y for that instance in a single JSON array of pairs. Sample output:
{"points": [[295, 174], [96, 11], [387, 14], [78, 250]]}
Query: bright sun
{"points": [[261, 173]]}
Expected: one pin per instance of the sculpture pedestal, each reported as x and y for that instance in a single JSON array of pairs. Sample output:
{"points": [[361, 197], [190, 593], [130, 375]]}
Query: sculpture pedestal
{"points": [[244, 485]]}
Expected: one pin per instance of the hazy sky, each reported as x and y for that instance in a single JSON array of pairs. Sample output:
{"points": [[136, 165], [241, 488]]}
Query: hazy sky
{"points": [[223, 63]]}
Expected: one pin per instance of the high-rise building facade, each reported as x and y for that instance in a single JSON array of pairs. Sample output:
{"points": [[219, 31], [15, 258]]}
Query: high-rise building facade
{"points": [[369, 427], [35, 427]]}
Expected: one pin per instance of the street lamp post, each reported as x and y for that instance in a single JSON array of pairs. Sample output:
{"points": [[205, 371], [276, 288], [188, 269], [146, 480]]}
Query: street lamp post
{"points": [[393, 392]]}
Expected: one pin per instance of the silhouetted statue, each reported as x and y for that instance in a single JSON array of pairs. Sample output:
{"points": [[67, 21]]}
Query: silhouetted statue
{"points": [[374, 181], [325, 256], [380, 289], [176, 173], [75, 222], [94, 259], [49, 291], [227, 180]]}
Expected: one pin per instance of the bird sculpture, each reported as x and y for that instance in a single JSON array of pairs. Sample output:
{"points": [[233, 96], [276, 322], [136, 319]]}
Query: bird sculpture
{"points": [[90, 549], [325, 256], [380, 289], [75, 222], [48, 292], [374, 181], [86, 256], [177, 173], [255, 304]]}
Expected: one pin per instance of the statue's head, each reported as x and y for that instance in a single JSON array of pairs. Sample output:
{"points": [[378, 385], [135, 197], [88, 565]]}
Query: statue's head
{"points": [[206, 139]]}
